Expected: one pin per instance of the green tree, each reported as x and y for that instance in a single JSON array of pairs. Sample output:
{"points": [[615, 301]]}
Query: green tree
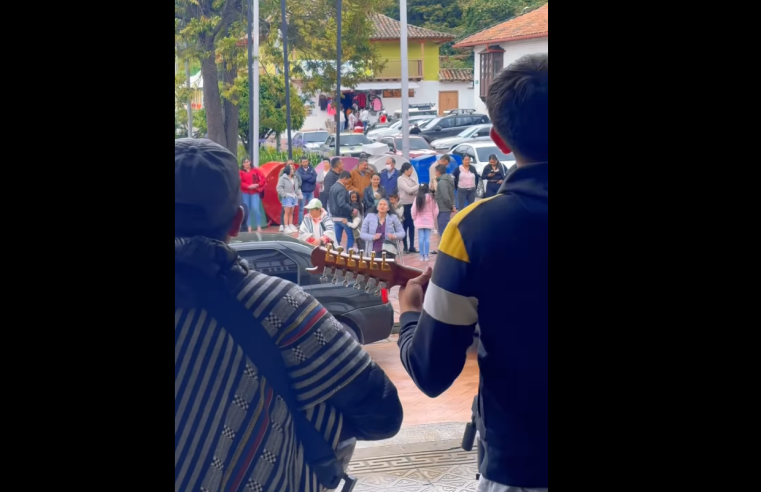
{"points": [[483, 14], [272, 111], [312, 40]]}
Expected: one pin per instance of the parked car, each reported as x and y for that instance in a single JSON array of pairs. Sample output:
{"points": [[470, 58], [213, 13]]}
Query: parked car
{"points": [[366, 317], [310, 141], [451, 125], [431, 112], [396, 127], [479, 153], [418, 146], [471, 134], [351, 145]]}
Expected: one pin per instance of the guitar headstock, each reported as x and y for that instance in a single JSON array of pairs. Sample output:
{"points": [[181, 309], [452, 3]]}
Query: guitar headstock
{"points": [[356, 269]]}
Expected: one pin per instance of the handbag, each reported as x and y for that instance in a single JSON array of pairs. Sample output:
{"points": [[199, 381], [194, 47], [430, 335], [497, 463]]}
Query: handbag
{"points": [[256, 343], [481, 190]]}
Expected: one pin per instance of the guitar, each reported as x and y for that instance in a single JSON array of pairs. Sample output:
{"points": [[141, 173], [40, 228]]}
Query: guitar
{"points": [[355, 266]]}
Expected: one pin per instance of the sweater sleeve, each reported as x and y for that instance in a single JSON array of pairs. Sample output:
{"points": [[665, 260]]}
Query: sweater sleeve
{"points": [[365, 233], [433, 344]]}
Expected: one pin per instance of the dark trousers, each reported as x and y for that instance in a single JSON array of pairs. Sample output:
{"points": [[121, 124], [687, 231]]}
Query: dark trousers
{"points": [[409, 228], [443, 220]]}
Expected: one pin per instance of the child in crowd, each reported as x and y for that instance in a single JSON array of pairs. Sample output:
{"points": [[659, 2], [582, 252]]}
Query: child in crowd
{"points": [[356, 223], [396, 207], [424, 214]]}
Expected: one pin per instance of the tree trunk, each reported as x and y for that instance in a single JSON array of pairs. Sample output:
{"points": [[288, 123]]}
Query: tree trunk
{"points": [[231, 110], [213, 101]]}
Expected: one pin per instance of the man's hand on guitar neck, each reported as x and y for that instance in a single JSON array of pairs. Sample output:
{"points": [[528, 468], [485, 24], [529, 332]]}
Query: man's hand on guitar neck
{"points": [[412, 295]]}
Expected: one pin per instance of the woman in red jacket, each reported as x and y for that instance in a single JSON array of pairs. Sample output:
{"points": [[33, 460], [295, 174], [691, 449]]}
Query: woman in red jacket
{"points": [[252, 184]]}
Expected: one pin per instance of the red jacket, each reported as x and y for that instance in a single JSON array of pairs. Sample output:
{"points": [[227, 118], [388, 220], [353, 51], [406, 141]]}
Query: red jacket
{"points": [[253, 176]]}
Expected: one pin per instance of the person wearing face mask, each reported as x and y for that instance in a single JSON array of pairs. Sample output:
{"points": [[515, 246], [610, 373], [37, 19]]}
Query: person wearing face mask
{"points": [[389, 176]]}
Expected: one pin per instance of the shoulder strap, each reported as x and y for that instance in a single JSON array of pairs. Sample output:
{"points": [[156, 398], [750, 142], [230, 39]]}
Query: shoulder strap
{"points": [[256, 343]]}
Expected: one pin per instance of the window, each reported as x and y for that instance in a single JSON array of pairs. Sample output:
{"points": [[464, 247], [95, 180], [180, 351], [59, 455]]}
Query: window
{"points": [[390, 144], [415, 144], [492, 59], [315, 137], [464, 150], [485, 152], [272, 262], [446, 123], [353, 139], [464, 121], [483, 132]]}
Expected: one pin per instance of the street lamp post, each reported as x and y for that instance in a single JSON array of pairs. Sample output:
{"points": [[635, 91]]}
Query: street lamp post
{"points": [[287, 79], [338, 80], [405, 82], [253, 81]]}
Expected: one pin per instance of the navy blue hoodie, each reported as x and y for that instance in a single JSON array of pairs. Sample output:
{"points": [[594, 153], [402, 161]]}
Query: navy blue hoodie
{"points": [[492, 269]]}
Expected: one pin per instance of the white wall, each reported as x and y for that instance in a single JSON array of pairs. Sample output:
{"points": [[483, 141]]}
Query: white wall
{"points": [[513, 51], [466, 93]]}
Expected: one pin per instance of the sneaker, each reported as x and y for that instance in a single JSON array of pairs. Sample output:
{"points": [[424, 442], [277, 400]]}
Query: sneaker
{"points": [[281, 227], [422, 258], [427, 258]]}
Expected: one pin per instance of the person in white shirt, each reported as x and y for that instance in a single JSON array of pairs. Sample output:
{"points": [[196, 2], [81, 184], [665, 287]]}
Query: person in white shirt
{"points": [[364, 117], [352, 120]]}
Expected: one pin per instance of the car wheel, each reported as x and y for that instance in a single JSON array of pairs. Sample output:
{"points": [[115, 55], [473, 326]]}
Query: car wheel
{"points": [[352, 331]]}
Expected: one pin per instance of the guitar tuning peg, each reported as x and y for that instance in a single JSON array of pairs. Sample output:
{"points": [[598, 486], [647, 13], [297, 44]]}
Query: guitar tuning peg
{"points": [[349, 276], [358, 284], [385, 266], [340, 259], [370, 284], [373, 263]]}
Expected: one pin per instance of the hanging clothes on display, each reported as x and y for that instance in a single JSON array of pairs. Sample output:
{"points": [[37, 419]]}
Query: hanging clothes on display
{"points": [[361, 100], [377, 104], [323, 102], [331, 110]]}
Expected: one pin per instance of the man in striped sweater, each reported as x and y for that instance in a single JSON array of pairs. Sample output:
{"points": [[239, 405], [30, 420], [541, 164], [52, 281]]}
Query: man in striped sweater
{"points": [[232, 431], [498, 277]]}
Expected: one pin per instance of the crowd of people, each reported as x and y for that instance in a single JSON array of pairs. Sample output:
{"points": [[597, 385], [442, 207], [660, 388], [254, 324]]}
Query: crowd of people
{"points": [[272, 392], [349, 199]]}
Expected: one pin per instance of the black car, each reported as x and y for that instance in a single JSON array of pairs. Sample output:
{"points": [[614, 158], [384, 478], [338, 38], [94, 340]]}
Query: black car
{"points": [[367, 317], [451, 125]]}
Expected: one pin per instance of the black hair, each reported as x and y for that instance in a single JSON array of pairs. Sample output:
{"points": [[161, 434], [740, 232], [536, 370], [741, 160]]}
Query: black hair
{"points": [[441, 169], [445, 157], [344, 175], [287, 170], [304, 158], [358, 203], [518, 103], [394, 193], [494, 156], [421, 194], [405, 166], [334, 162], [361, 160]]}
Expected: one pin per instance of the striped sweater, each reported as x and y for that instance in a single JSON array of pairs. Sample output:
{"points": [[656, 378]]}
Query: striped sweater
{"points": [[232, 431]]}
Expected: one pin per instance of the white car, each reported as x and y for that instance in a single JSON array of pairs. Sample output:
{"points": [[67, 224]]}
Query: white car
{"points": [[479, 153], [476, 133], [396, 127], [310, 141]]}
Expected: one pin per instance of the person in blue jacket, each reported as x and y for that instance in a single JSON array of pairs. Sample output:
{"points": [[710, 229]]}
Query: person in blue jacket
{"points": [[389, 176], [308, 183]]}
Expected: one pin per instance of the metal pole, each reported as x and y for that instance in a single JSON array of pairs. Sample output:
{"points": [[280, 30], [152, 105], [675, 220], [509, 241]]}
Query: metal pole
{"points": [[338, 80], [253, 82], [190, 99], [287, 79], [405, 82]]}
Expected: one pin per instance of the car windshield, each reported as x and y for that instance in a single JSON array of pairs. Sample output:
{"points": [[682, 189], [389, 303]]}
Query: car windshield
{"points": [[347, 140], [415, 144], [316, 136], [467, 132], [485, 152], [396, 125]]}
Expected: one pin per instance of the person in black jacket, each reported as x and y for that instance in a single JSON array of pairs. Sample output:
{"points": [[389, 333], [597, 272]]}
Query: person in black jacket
{"points": [[493, 175], [437, 325], [373, 193], [336, 167], [341, 209]]}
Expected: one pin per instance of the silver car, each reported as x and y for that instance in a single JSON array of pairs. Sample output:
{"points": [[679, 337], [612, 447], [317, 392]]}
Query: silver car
{"points": [[471, 134], [396, 127]]}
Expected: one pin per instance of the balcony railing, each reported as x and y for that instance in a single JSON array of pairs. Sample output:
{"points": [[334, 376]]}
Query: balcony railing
{"points": [[393, 70]]}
